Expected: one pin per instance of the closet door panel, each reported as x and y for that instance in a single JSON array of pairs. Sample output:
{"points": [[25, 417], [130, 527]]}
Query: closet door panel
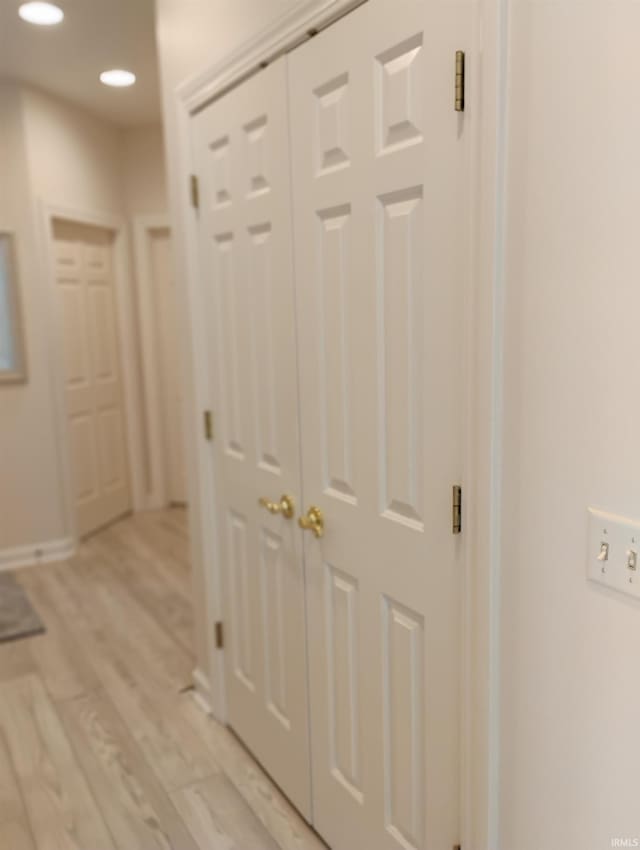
{"points": [[242, 151], [379, 184]]}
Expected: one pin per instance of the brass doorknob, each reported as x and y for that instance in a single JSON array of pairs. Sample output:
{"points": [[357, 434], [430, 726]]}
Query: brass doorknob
{"points": [[313, 521], [286, 506]]}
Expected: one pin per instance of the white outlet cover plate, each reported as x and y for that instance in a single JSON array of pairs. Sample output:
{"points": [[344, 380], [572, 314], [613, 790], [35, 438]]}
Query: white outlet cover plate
{"points": [[622, 535]]}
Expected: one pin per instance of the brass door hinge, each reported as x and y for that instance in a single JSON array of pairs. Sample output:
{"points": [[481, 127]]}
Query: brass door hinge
{"points": [[219, 628], [459, 83], [208, 425], [195, 191], [456, 509]]}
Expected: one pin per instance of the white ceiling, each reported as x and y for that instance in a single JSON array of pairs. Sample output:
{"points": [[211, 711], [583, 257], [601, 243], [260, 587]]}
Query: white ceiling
{"points": [[66, 59]]}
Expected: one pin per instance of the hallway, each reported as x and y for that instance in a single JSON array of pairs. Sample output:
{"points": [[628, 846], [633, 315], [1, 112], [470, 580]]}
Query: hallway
{"points": [[319, 347], [102, 745]]}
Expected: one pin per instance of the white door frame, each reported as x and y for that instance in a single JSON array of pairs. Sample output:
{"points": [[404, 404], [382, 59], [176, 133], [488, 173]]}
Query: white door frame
{"points": [[155, 493], [485, 114], [49, 213]]}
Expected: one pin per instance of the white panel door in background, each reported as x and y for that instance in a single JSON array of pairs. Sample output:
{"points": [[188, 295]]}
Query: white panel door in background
{"points": [[84, 272], [379, 183], [242, 155], [168, 366]]}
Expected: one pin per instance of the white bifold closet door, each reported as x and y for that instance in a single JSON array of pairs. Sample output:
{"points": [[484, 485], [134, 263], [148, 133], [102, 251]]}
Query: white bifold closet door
{"points": [[242, 155], [84, 270], [379, 184]]}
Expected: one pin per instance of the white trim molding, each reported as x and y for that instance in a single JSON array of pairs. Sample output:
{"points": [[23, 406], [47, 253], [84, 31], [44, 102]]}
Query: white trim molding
{"points": [[292, 28], [486, 109], [36, 553], [19, 373]]}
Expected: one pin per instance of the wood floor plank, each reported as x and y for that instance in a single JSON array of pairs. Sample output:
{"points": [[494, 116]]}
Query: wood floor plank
{"points": [[16, 659], [62, 812], [157, 529], [165, 555], [158, 548], [15, 832], [97, 591], [219, 818], [281, 820], [177, 519], [138, 812], [169, 743], [102, 751], [58, 657], [144, 697], [144, 576]]}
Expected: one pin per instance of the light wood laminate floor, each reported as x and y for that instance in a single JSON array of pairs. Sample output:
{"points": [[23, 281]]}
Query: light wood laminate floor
{"points": [[101, 746]]}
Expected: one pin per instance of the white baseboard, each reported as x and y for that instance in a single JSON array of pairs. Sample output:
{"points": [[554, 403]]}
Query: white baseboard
{"points": [[36, 553], [202, 690]]}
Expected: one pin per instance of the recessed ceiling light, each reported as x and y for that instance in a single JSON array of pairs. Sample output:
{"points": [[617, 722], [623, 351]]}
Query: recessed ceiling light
{"points": [[43, 14], [117, 77]]}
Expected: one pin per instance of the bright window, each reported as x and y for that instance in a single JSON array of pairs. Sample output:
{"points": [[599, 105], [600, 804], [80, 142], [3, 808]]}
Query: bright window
{"points": [[11, 359]]}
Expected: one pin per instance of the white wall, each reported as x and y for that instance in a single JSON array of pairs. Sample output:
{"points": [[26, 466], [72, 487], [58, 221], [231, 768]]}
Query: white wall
{"points": [[570, 671], [143, 170], [194, 33], [52, 151], [30, 510], [74, 157]]}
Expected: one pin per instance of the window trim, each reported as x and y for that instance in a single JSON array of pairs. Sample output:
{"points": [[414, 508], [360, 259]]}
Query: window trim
{"points": [[18, 375]]}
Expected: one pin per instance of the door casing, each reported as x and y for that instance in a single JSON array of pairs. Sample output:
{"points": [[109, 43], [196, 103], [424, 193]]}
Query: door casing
{"points": [[125, 318], [157, 489]]}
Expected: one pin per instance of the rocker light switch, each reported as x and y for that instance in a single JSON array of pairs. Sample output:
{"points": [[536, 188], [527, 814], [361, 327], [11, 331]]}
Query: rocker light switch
{"points": [[612, 557]]}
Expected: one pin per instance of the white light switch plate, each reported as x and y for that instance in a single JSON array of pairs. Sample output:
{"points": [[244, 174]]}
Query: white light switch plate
{"points": [[622, 537]]}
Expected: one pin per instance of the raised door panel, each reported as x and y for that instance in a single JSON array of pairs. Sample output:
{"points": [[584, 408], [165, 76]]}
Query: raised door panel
{"points": [[220, 172], [256, 140], [75, 343], [379, 165], [235, 390], [400, 355], [331, 142], [335, 308], [403, 718], [76, 355], [84, 458], [102, 331], [67, 253], [241, 614], [272, 580], [343, 682], [241, 149], [111, 440], [261, 295], [400, 107]]}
